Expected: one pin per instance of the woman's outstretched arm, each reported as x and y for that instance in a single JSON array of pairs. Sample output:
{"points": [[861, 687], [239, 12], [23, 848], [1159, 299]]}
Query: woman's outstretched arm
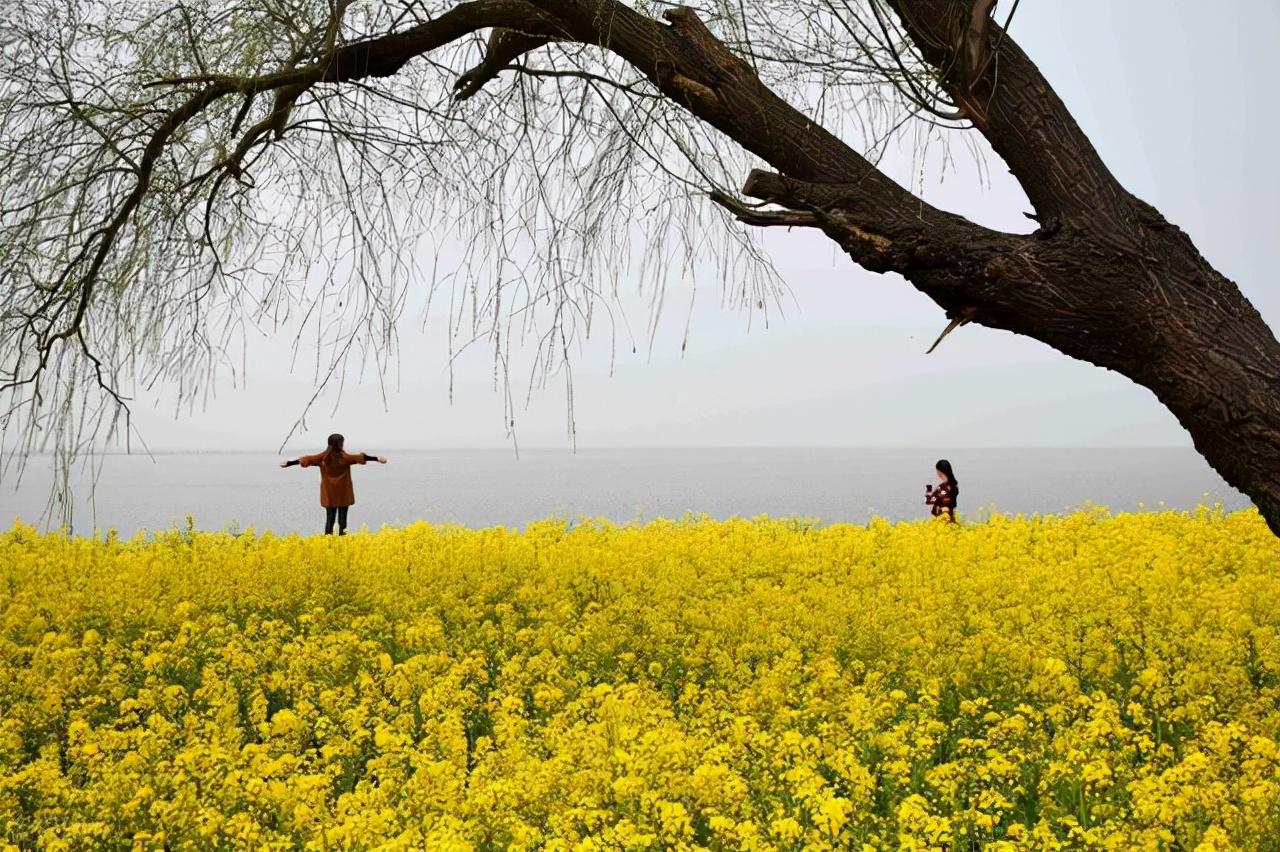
{"points": [[305, 461], [378, 459]]}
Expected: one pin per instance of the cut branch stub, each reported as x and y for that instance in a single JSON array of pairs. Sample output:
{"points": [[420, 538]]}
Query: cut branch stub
{"points": [[764, 218], [691, 28], [972, 51]]}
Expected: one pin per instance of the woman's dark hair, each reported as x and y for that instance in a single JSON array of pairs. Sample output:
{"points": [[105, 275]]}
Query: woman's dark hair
{"points": [[335, 444], [944, 467]]}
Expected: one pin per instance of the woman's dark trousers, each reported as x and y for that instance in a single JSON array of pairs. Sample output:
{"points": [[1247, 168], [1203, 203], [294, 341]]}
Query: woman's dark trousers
{"points": [[340, 512]]}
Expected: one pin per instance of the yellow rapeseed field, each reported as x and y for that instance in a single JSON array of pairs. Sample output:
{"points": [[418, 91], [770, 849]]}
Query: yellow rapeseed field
{"points": [[1080, 682]]}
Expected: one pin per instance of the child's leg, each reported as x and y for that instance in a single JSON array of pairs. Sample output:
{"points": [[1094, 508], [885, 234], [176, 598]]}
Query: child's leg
{"points": [[329, 513], [342, 520]]}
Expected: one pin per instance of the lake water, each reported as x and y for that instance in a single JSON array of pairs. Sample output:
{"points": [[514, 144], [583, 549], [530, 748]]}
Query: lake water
{"points": [[493, 487]]}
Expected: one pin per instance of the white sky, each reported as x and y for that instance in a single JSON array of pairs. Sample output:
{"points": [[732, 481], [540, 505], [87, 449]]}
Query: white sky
{"points": [[1178, 96]]}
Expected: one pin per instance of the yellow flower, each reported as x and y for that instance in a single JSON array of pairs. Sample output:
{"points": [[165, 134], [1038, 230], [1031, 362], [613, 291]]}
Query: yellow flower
{"points": [[1080, 681]]}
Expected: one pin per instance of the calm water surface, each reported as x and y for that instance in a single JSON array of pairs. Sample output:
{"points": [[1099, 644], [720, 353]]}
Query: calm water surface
{"points": [[492, 487]]}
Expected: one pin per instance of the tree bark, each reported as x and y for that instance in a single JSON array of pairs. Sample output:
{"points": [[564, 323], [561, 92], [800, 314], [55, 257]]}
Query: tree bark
{"points": [[1143, 302]]}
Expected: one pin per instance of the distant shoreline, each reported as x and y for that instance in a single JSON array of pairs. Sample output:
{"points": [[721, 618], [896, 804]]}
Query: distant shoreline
{"points": [[569, 451]]}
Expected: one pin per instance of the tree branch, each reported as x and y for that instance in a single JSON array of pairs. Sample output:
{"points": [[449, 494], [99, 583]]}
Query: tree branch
{"points": [[1010, 102], [826, 182], [636, 89], [846, 195], [505, 45]]}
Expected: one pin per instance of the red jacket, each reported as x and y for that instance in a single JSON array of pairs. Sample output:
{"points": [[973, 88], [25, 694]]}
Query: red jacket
{"points": [[335, 476]]}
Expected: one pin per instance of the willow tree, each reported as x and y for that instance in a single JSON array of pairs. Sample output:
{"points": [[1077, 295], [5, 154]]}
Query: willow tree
{"points": [[175, 172]]}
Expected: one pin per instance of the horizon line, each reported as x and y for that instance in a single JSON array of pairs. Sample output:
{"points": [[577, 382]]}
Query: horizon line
{"points": [[167, 451]]}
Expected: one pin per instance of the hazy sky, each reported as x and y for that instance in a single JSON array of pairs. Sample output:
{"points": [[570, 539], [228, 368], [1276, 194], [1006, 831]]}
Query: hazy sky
{"points": [[1178, 97]]}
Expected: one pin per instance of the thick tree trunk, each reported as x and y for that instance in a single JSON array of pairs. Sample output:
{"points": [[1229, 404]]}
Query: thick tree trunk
{"points": [[1141, 300], [1220, 376]]}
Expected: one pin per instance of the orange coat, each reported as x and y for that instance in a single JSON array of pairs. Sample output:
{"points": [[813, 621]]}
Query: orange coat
{"points": [[335, 476]]}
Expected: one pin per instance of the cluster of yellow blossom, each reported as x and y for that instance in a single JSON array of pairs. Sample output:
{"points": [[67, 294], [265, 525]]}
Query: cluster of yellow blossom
{"points": [[1073, 682]]}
